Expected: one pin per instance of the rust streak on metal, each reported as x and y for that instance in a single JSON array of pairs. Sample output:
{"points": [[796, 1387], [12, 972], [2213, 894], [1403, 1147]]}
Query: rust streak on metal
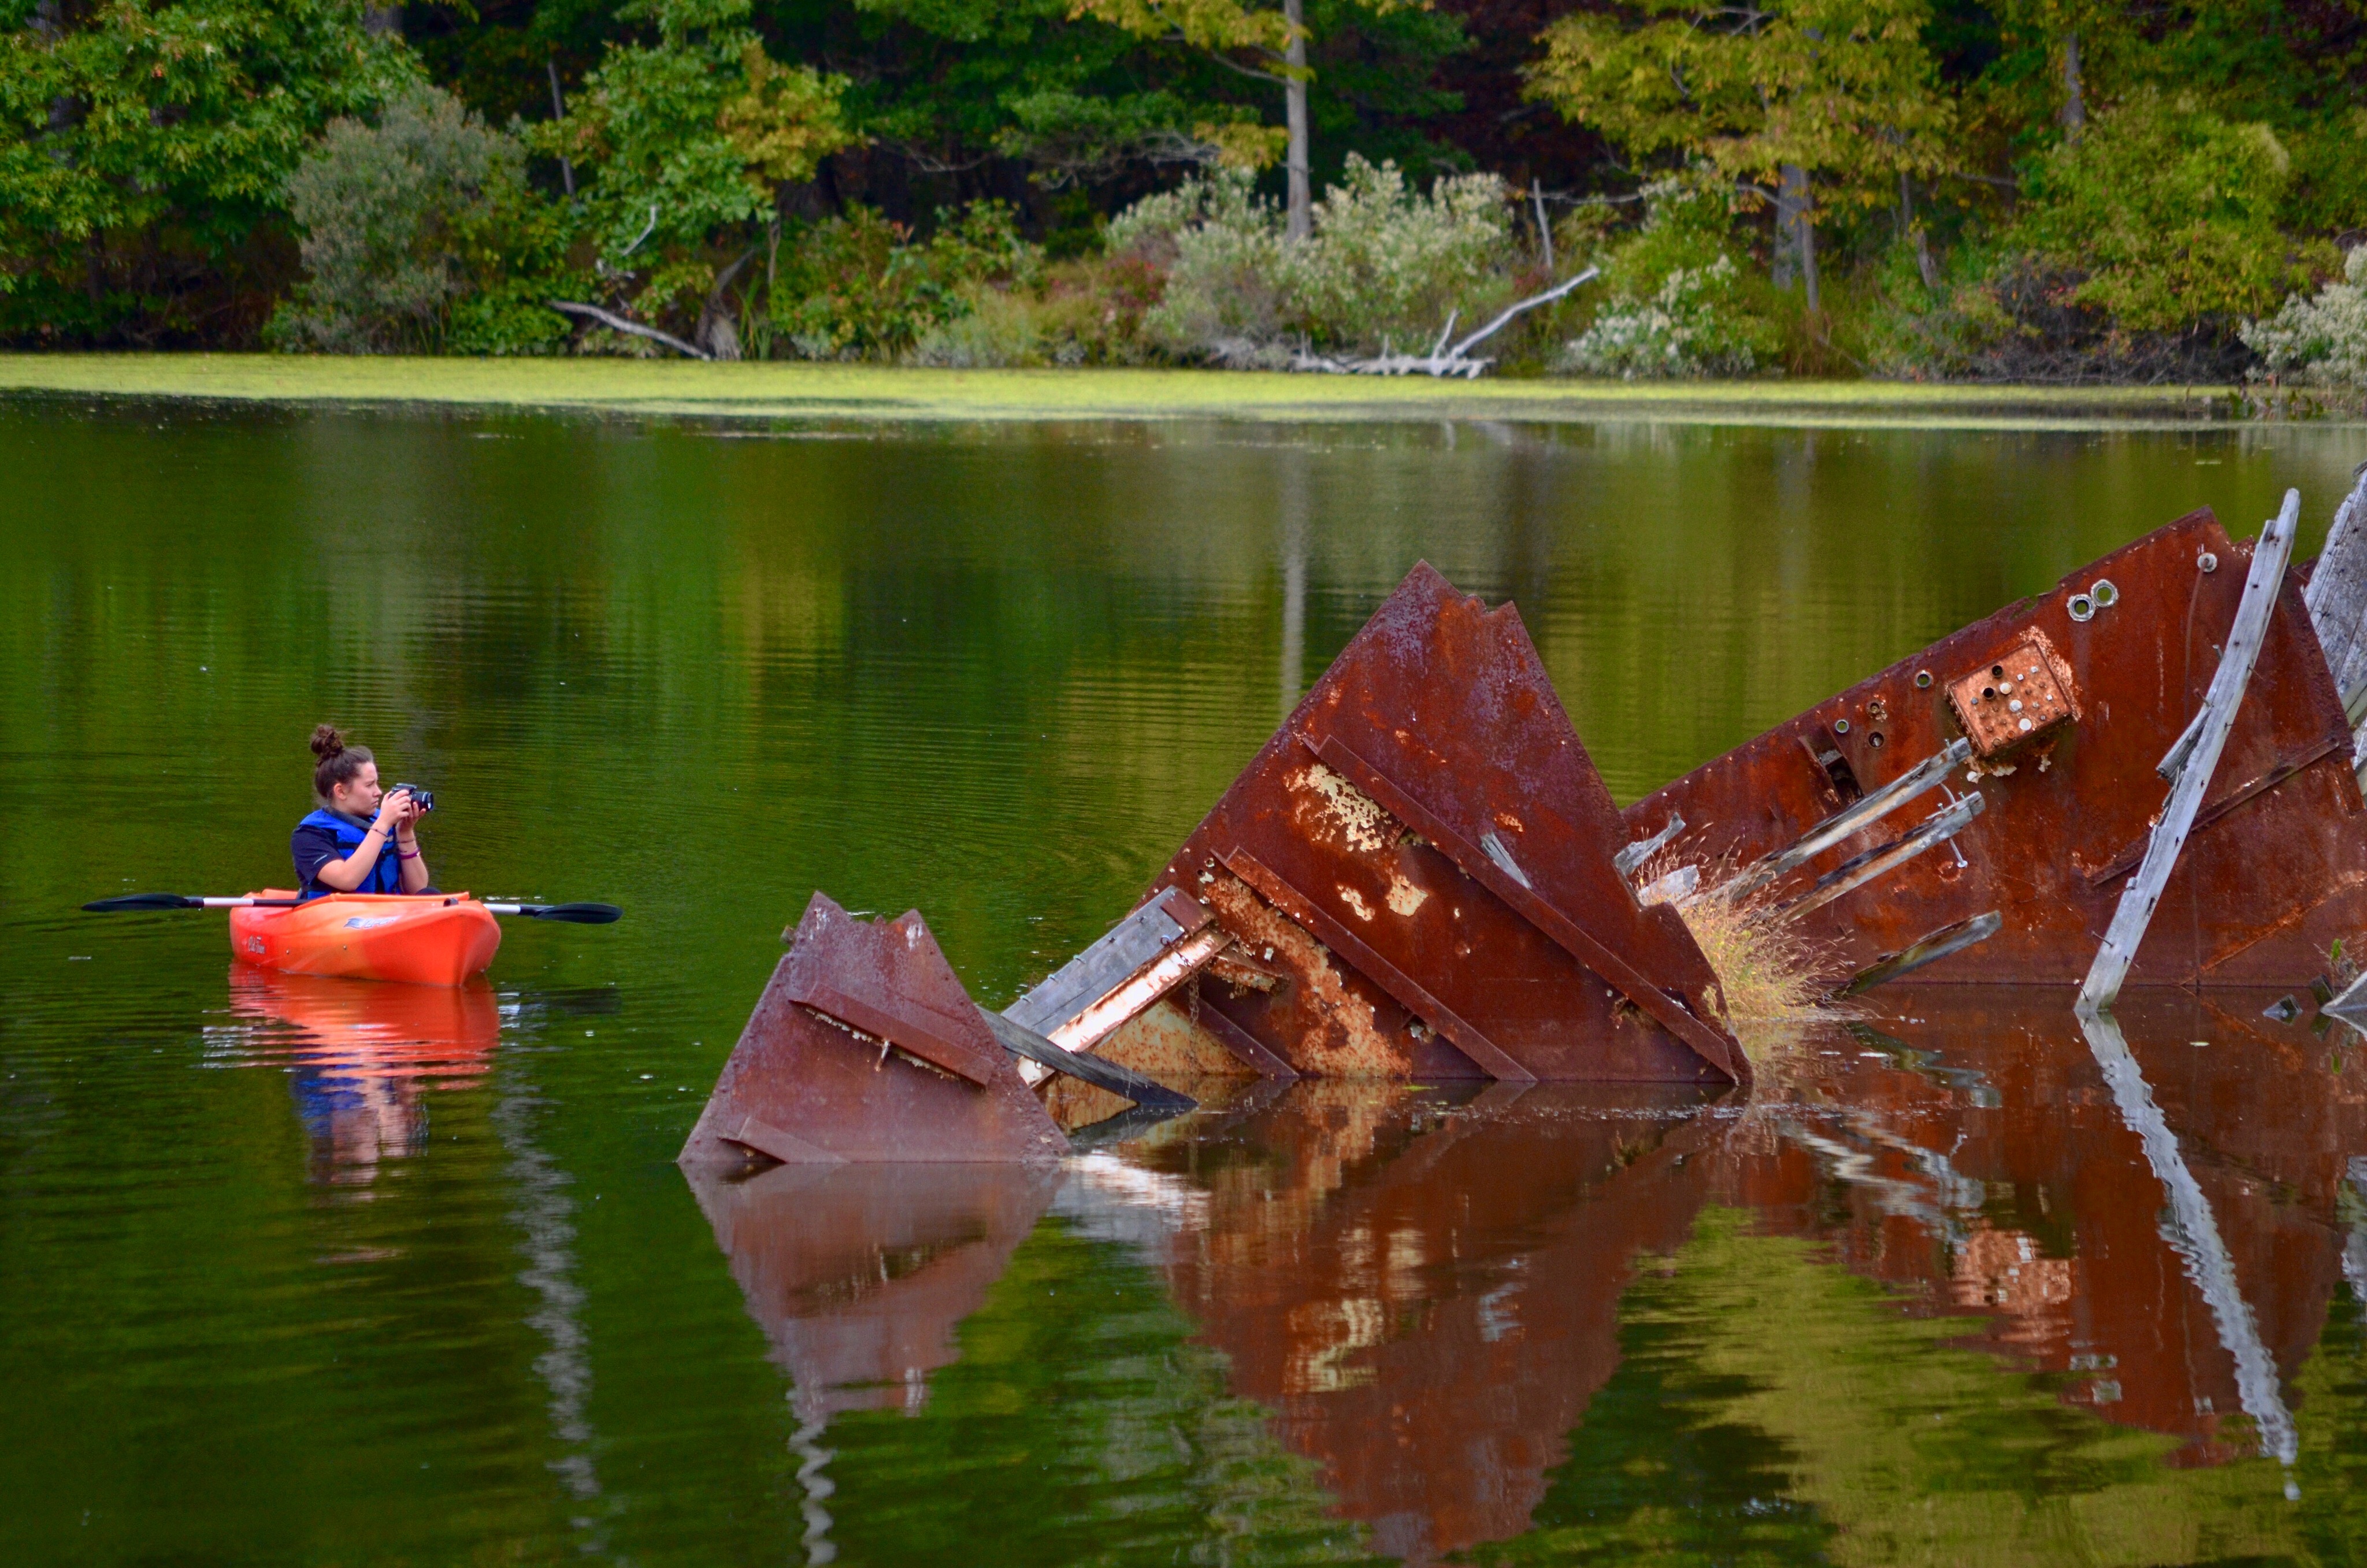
{"points": [[1312, 916], [1505, 881]]}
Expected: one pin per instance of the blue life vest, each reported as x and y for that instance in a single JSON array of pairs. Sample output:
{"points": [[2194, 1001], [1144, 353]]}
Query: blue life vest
{"points": [[385, 876]]}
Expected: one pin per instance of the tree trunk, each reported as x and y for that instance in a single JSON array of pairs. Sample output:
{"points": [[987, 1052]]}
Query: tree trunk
{"points": [[559, 111], [1795, 233], [2075, 99], [1301, 221]]}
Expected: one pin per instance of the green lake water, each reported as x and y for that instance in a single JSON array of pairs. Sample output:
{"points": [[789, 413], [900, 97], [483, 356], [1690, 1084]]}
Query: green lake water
{"points": [[349, 1274]]}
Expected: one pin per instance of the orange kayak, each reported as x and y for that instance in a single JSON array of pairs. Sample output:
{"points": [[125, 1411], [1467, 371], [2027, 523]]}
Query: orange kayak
{"points": [[432, 939]]}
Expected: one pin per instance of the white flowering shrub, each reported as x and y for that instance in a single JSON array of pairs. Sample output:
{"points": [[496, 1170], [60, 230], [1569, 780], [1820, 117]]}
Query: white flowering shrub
{"points": [[1694, 324], [1385, 264], [2322, 339], [1676, 304]]}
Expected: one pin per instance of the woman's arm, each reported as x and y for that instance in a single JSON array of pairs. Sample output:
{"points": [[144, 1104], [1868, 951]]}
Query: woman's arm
{"points": [[414, 865]]}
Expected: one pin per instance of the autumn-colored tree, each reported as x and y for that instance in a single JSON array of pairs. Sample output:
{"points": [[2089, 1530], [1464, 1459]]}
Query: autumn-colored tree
{"points": [[1790, 99]]}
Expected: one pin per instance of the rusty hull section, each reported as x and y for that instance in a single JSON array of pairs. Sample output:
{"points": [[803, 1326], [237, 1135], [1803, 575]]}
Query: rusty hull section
{"points": [[1416, 872], [2113, 664], [864, 1047]]}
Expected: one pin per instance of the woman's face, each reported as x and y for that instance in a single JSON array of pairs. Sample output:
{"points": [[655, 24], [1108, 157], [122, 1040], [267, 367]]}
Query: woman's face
{"points": [[359, 796]]}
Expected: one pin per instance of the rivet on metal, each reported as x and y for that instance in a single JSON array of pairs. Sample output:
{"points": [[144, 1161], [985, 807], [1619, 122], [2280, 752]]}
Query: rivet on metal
{"points": [[1841, 726], [2207, 562], [2082, 607], [2103, 592], [1873, 739], [1922, 679]]}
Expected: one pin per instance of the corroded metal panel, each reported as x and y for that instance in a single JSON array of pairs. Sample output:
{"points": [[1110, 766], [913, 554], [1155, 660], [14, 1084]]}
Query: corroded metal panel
{"points": [[1424, 853], [2277, 866], [864, 1047]]}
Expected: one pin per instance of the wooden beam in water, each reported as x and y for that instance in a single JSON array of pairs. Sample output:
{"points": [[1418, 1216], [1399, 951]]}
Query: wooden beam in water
{"points": [[2193, 759]]}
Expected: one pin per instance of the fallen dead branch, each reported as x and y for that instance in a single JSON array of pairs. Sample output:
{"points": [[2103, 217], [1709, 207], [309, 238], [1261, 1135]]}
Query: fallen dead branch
{"points": [[1441, 360], [615, 322]]}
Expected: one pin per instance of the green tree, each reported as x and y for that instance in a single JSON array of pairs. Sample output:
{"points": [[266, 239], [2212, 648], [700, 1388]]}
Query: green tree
{"points": [[144, 154], [402, 220], [686, 142], [1265, 41], [1785, 95], [2168, 212]]}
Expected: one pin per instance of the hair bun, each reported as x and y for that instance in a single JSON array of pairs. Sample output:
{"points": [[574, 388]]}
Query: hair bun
{"points": [[327, 741]]}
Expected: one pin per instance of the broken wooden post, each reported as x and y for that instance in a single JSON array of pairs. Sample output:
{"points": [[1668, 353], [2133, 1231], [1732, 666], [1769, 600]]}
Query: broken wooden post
{"points": [[2337, 597], [2196, 756]]}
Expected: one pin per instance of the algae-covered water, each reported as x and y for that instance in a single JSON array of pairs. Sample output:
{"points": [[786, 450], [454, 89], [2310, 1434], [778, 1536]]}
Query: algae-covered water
{"points": [[335, 1273]]}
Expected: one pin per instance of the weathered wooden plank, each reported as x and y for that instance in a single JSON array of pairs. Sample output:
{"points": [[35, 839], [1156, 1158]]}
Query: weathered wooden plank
{"points": [[1107, 963], [2134, 912], [1124, 1082], [1948, 939], [1635, 854], [1917, 782], [1859, 870], [2337, 597]]}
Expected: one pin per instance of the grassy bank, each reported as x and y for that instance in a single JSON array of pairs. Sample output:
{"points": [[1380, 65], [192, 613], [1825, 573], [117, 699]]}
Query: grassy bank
{"points": [[812, 391]]}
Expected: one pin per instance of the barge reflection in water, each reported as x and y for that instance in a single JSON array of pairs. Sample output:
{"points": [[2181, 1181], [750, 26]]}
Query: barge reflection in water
{"points": [[1959, 1281]]}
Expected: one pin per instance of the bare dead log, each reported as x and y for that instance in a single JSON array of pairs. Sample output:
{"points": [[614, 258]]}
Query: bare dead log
{"points": [[615, 322], [1442, 359]]}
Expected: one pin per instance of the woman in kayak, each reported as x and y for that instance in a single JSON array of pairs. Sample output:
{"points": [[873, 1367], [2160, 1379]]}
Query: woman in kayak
{"points": [[362, 840]]}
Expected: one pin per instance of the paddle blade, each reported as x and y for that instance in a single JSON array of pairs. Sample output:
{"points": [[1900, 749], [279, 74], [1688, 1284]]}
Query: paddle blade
{"points": [[143, 901], [580, 914]]}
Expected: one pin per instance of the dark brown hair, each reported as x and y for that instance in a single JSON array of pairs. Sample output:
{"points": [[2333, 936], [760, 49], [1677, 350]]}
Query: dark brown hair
{"points": [[339, 762]]}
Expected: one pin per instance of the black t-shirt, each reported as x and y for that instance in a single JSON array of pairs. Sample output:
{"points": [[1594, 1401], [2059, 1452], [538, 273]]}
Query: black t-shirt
{"points": [[313, 848]]}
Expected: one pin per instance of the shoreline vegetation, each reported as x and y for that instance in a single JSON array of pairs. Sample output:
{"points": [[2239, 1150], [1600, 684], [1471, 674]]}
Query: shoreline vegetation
{"points": [[809, 391], [1991, 193]]}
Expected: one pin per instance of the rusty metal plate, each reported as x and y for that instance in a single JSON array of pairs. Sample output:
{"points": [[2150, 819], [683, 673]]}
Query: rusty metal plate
{"points": [[2015, 699], [913, 1075], [2275, 871], [1424, 853]]}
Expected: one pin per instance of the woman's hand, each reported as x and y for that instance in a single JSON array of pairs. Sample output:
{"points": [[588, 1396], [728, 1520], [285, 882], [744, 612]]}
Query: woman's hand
{"points": [[396, 812]]}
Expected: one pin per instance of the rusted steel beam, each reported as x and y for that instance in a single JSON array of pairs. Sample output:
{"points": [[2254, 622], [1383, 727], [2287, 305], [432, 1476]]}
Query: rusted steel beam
{"points": [[1166, 940], [864, 1047], [1424, 857], [2275, 870]]}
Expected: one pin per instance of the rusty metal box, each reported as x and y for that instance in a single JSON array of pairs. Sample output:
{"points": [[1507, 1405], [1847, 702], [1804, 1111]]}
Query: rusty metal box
{"points": [[2013, 699]]}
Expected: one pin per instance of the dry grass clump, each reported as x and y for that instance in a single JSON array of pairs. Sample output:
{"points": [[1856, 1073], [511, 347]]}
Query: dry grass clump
{"points": [[1768, 972]]}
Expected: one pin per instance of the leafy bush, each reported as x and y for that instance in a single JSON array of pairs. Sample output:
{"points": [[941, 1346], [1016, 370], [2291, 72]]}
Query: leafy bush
{"points": [[1675, 304], [1219, 244], [401, 220], [2322, 339], [1388, 262], [1088, 313], [2165, 213], [1385, 264], [1696, 324], [855, 286]]}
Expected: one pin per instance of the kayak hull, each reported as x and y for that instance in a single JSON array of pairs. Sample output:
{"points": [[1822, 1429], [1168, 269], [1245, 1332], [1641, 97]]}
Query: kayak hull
{"points": [[435, 939]]}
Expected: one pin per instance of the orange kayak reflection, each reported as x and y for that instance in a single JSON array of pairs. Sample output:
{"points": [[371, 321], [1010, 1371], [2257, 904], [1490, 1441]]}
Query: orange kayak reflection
{"points": [[358, 1054]]}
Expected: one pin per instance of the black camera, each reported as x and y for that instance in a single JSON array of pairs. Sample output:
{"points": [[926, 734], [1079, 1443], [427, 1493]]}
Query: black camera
{"points": [[423, 799]]}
